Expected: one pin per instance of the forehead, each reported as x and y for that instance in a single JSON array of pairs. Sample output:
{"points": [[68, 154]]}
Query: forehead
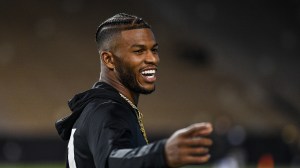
{"points": [[142, 36]]}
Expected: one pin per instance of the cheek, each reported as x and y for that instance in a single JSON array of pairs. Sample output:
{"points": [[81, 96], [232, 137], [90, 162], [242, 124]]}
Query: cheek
{"points": [[133, 64], [158, 59], [129, 70]]}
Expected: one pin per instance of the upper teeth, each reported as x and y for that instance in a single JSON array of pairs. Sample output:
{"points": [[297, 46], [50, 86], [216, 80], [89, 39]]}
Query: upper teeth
{"points": [[148, 72]]}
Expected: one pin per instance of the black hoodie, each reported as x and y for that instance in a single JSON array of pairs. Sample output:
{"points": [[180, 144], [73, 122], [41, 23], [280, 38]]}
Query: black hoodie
{"points": [[103, 131]]}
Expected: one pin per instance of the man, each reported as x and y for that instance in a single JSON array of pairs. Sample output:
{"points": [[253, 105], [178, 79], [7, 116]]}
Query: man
{"points": [[106, 128]]}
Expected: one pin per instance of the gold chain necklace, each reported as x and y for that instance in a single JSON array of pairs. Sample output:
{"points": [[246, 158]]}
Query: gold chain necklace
{"points": [[139, 117]]}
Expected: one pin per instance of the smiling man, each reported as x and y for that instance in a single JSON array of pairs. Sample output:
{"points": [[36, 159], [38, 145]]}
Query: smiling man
{"points": [[105, 129]]}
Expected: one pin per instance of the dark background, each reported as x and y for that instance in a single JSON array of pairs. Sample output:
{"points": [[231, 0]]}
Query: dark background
{"points": [[232, 63]]}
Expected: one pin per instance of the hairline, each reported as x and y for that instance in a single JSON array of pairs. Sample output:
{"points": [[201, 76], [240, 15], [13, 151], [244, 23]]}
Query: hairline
{"points": [[117, 33]]}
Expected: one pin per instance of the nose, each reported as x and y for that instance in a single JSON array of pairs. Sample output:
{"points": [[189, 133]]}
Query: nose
{"points": [[152, 58]]}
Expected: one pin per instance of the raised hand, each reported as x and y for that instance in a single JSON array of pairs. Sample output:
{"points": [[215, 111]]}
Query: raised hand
{"points": [[189, 145]]}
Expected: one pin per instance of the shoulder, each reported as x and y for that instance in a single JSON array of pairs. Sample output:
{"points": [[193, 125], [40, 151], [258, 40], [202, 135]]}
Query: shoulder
{"points": [[109, 112]]}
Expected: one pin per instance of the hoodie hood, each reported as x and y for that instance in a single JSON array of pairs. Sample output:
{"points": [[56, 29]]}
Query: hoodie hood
{"points": [[77, 104]]}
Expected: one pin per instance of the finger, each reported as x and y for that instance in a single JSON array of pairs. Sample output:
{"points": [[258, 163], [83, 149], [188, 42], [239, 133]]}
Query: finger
{"points": [[195, 151], [198, 141], [196, 129], [196, 159], [204, 132]]}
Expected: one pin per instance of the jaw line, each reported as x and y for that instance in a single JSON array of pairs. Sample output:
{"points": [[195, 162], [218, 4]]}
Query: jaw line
{"points": [[143, 88]]}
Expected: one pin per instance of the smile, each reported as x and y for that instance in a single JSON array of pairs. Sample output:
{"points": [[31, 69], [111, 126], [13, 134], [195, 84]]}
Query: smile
{"points": [[149, 75]]}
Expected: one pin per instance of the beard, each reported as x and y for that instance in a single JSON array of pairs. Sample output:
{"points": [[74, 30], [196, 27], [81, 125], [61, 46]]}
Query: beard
{"points": [[128, 79]]}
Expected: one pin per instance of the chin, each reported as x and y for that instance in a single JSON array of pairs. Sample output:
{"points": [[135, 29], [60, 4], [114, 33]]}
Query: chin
{"points": [[146, 91]]}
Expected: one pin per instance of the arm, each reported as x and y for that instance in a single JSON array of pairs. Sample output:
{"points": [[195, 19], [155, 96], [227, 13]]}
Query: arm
{"points": [[112, 140], [148, 156], [185, 147], [114, 146]]}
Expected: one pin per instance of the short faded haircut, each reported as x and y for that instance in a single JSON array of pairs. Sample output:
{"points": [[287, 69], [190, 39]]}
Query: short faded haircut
{"points": [[116, 24]]}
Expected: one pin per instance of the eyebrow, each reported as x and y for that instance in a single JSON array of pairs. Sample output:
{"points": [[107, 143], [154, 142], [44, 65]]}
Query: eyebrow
{"points": [[143, 46]]}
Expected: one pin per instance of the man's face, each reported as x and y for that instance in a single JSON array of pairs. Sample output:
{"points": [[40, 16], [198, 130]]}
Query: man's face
{"points": [[136, 60]]}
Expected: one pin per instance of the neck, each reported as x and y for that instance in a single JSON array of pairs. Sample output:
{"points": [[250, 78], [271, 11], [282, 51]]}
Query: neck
{"points": [[132, 96]]}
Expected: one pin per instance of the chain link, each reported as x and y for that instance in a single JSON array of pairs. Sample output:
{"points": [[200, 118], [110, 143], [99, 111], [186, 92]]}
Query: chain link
{"points": [[139, 117]]}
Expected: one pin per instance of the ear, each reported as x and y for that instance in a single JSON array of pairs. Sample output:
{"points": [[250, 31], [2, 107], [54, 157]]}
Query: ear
{"points": [[107, 59]]}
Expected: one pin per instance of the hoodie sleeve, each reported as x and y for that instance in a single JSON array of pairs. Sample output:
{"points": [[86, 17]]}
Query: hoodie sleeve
{"points": [[150, 156], [111, 140]]}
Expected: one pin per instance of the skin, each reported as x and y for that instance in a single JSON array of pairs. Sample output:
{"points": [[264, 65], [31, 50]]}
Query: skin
{"points": [[135, 50], [131, 52], [189, 145]]}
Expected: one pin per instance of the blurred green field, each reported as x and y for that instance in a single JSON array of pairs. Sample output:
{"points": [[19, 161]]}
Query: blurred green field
{"points": [[62, 165], [36, 165]]}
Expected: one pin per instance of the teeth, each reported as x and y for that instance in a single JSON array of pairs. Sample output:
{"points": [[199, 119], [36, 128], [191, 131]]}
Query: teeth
{"points": [[147, 72]]}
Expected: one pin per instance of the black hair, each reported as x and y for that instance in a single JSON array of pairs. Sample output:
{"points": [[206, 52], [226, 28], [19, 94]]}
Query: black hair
{"points": [[116, 24]]}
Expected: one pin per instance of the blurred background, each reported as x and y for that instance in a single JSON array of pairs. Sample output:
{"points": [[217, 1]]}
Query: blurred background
{"points": [[232, 63]]}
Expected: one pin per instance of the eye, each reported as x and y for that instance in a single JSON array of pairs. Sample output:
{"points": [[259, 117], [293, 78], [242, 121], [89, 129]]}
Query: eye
{"points": [[155, 50], [139, 51]]}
